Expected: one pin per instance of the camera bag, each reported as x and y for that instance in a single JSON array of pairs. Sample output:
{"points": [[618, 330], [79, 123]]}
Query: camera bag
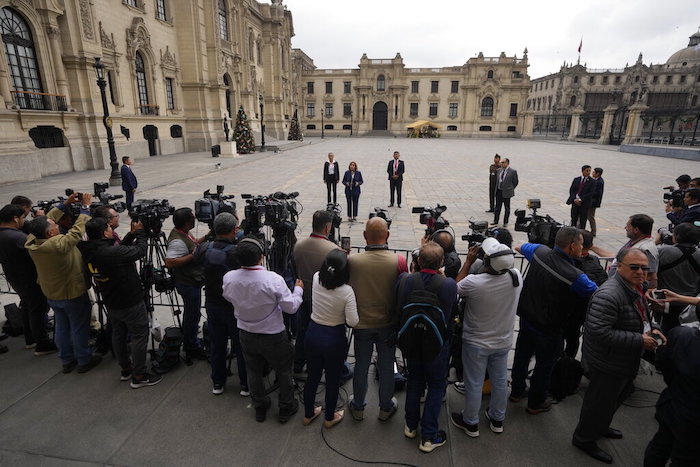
{"points": [[15, 317], [566, 377], [422, 328], [167, 356]]}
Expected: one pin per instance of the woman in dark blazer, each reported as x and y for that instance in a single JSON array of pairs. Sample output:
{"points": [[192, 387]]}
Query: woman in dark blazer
{"points": [[352, 181]]}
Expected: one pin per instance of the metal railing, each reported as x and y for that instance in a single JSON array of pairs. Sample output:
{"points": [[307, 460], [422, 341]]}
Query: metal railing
{"points": [[39, 101], [149, 109]]}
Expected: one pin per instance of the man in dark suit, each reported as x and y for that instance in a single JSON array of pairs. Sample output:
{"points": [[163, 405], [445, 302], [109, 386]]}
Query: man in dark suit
{"points": [[581, 195], [129, 182], [331, 175], [506, 181], [493, 170], [597, 197], [395, 170], [690, 213]]}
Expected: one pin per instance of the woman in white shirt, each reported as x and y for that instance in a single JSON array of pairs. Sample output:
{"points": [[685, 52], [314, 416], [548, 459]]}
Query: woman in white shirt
{"points": [[333, 305]]}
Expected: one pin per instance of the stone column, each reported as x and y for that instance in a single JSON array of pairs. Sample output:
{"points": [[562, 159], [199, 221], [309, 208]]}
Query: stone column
{"points": [[54, 34], [5, 83], [607, 124], [634, 123], [575, 123], [528, 123]]}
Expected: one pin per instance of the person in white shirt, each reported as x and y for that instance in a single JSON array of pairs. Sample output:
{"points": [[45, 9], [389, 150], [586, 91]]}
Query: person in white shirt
{"points": [[334, 306]]}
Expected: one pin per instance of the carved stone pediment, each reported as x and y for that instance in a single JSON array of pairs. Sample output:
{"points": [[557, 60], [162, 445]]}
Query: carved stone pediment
{"points": [[167, 59], [107, 41], [137, 37]]}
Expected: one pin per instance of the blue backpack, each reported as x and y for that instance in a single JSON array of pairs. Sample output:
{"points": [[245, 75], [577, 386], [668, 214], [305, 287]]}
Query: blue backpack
{"points": [[422, 327]]}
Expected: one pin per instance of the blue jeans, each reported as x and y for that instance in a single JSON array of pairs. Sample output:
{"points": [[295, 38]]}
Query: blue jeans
{"points": [[476, 361], [72, 329], [434, 375], [191, 304], [222, 326], [547, 349], [325, 351], [365, 341]]}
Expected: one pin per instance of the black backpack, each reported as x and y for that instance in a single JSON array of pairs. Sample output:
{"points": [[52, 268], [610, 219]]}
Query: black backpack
{"points": [[566, 377], [167, 357], [422, 328]]}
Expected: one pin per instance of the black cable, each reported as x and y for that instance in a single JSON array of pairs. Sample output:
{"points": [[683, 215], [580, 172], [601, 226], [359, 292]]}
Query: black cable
{"points": [[360, 461]]}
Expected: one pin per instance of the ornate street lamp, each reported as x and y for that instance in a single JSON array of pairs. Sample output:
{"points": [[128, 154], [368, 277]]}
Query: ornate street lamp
{"points": [[323, 127], [115, 178], [262, 122]]}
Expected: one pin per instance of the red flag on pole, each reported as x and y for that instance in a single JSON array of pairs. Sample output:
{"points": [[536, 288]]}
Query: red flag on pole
{"points": [[580, 44]]}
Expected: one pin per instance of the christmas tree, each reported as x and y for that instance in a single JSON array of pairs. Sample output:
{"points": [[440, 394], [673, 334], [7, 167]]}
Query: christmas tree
{"points": [[294, 133], [242, 134]]}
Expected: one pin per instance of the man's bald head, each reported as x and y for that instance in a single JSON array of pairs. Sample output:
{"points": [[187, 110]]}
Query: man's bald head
{"points": [[376, 231]]}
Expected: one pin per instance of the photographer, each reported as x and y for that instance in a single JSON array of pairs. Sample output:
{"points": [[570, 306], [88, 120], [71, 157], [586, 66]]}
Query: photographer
{"points": [[188, 276], [617, 332], [691, 211], [679, 270], [20, 273], [112, 217], [446, 240], [551, 287], [28, 207], [259, 298], [113, 268], [59, 268], [217, 258]]}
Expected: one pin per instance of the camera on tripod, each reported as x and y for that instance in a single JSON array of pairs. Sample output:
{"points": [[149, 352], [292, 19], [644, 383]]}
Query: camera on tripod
{"points": [[383, 213], [480, 232], [675, 197], [277, 210], [432, 218], [102, 198], [211, 204], [540, 229], [151, 213], [335, 210]]}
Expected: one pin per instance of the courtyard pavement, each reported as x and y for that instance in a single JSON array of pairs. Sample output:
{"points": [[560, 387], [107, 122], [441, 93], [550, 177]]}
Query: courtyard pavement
{"points": [[47, 418]]}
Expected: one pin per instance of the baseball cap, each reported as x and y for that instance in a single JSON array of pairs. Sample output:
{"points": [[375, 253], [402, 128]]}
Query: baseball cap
{"points": [[500, 257]]}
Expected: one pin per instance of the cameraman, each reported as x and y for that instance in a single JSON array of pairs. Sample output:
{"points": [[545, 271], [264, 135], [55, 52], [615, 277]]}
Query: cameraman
{"points": [[108, 213], [550, 288], [113, 268], [59, 268], [188, 276], [446, 240], [679, 270], [690, 213], [217, 258]]}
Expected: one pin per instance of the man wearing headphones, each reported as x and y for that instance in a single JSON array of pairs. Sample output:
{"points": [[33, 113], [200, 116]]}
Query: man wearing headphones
{"points": [[446, 240], [259, 298]]}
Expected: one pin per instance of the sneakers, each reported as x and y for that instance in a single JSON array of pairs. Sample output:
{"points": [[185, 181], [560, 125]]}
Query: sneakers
{"points": [[408, 433], [459, 387], [429, 445], [545, 406], [245, 392], [30, 346], [495, 425], [68, 367], [218, 389], [125, 375], [94, 361], [146, 380], [357, 414], [286, 414], [45, 349], [385, 415], [471, 430]]}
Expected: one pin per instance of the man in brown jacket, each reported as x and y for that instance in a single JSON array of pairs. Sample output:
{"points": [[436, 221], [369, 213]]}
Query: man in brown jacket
{"points": [[373, 275], [59, 268]]}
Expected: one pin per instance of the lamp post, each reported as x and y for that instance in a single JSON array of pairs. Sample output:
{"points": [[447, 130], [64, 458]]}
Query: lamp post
{"points": [[115, 178], [262, 122], [322, 125], [350, 122]]}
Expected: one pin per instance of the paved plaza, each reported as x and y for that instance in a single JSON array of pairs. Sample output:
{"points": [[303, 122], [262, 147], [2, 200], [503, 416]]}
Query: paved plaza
{"points": [[47, 418]]}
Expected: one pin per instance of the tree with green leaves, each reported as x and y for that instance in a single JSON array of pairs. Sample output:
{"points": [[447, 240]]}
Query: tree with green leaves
{"points": [[242, 134], [294, 133]]}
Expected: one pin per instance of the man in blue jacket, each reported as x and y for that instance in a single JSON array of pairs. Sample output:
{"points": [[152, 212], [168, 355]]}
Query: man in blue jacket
{"points": [[129, 182]]}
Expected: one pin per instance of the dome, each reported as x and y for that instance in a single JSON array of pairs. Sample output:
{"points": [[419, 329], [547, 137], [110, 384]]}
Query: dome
{"points": [[688, 57]]}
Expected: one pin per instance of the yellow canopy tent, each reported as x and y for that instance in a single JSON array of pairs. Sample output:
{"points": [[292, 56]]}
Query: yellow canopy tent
{"points": [[422, 129], [421, 123]]}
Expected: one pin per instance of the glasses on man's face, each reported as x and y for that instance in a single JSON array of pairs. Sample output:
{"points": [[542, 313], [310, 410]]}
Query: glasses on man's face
{"points": [[637, 267]]}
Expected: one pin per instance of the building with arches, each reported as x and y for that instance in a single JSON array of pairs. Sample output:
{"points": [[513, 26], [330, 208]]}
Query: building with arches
{"points": [[483, 97], [172, 69]]}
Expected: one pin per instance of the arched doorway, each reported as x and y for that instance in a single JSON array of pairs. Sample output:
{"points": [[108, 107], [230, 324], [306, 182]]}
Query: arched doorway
{"points": [[379, 116]]}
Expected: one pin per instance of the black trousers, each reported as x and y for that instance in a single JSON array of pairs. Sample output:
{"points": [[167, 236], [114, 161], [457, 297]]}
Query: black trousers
{"points": [[492, 191], [35, 308], [501, 201], [332, 186], [579, 216], [604, 395], [395, 185], [676, 439]]}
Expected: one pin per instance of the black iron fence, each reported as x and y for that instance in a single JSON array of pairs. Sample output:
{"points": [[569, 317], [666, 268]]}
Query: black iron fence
{"points": [[40, 101]]}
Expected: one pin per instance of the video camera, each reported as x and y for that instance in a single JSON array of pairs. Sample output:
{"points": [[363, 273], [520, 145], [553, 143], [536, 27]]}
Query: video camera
{"points": [[102, 198], [432, 218], [335, 210], [674, 196], [211, 204], [151, 213], [383, 213], [480, 232], [277, 210], [540, 229]]}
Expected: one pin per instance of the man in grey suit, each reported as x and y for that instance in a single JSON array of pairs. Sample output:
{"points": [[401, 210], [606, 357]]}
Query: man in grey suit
{"points": [[506, 181]]}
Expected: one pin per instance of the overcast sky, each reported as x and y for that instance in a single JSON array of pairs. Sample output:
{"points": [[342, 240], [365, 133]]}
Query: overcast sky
{"points": [[440, 33]]}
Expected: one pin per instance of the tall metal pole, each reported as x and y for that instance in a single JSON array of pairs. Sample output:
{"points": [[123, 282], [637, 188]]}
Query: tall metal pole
{"points": [[262, 123], [115, 178], [322, 125]]}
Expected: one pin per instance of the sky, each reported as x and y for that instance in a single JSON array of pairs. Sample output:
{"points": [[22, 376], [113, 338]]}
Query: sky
{"points": [[440, 33]]}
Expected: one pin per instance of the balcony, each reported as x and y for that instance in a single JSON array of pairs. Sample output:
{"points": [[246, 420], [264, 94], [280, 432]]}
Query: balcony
{"points": [[39, 101], [149, 109]]}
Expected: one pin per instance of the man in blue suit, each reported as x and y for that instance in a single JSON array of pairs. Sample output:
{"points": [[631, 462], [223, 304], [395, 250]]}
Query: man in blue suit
{"points": [[129, 182]]}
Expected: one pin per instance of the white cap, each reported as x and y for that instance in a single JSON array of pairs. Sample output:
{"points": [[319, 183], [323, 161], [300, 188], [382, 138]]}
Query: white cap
{"points": [[500, 257]]}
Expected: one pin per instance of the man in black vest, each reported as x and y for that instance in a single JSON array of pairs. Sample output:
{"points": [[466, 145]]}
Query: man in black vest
{"points": [[331, 175], [188, 276]]}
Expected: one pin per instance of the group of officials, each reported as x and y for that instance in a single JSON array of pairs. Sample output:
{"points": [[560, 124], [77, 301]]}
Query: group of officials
{"points": [[246, 304]]}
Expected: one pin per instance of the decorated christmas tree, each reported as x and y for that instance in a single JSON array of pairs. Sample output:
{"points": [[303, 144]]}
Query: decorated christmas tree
{"points": [[242, 134], [294, 133]]}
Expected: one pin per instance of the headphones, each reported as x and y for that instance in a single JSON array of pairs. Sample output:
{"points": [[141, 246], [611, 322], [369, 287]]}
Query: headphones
{"points": [[438, 232], [255, 242]]}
